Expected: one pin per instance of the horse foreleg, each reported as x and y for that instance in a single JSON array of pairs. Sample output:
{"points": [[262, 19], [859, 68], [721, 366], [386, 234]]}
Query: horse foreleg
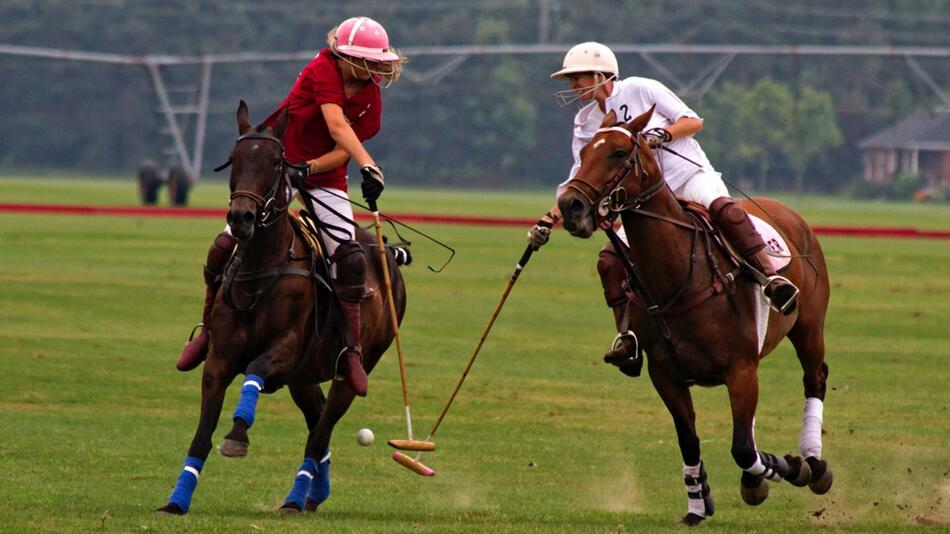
{"points": [[311, 486], [268, 370], [757, 466], [310, 400], [236, 442], [810, 346], [218, 374], [679, 402]]}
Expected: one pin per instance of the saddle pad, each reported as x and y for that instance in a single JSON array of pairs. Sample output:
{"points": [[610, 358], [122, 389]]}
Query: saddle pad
{"points": [[774, 243], [308, 232]]}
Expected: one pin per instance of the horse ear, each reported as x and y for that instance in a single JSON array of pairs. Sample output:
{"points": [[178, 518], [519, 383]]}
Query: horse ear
{"points": [[244, 125], [609, 120], [640, 122], [281, 125]]}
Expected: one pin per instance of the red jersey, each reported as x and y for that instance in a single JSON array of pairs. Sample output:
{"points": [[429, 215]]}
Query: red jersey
{"points": [[307, 136]]}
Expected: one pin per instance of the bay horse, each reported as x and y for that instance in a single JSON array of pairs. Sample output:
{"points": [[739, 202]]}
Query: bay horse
{"points": [[698, 325], [274, 320]]}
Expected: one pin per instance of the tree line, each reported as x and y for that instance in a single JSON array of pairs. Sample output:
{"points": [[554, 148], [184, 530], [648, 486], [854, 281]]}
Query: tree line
{"points": [[772, 122]]}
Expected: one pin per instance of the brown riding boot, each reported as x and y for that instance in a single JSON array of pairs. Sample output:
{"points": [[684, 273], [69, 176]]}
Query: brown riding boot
{"points": [[625, 350], [349, 365], [735, 226], [350, 286], [196, 348]]}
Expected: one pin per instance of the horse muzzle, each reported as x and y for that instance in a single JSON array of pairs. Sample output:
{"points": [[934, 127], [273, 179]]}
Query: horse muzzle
{"points": [[577, 213], [242, 221]]}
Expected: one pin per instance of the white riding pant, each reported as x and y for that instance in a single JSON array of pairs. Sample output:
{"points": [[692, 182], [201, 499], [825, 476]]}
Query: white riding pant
{"points": [[341, 228], [702, 188]]}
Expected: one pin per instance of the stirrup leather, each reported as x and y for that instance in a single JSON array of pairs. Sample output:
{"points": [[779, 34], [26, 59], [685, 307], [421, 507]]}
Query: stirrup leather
{"points": [[789, 303]]}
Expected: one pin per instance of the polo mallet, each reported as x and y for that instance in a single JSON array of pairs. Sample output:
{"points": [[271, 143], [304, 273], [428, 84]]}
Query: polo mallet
{"points": [[413, 463], [407, 444]]}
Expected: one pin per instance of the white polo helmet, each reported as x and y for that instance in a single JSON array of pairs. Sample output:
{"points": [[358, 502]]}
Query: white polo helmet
{"points": [[588, 57]]}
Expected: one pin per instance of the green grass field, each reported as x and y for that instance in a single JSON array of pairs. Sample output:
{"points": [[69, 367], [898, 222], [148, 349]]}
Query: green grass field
{"points": [[543, 438]]}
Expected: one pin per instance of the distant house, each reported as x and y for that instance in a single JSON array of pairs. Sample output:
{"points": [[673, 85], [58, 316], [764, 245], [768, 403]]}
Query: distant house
{"points": [[919, 144]]}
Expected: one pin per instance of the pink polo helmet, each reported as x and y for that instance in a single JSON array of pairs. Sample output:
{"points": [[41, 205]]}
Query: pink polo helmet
{"points": [[364, 38]]}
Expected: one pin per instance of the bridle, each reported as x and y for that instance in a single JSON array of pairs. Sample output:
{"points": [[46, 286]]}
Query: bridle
{"points": [[267, 206], [612, 195]]}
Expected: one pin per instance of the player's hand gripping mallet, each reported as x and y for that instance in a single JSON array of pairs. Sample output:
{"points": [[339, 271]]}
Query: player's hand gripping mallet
{"points": [[409, 443], [413, 463]]}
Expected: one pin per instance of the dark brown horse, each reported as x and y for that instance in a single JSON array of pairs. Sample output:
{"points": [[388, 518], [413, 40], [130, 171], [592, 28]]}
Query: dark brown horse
{"points": [[703, 328], [273, 320]]}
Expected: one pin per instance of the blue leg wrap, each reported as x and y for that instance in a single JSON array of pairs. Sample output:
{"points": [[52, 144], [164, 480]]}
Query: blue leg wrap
{"points": [[247, 406], [187, 482], [298, 492], [320, 485]]}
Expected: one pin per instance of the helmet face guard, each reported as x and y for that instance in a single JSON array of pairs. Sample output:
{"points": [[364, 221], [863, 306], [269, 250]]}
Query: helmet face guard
{"points": [[382, 73], [569, 96]]}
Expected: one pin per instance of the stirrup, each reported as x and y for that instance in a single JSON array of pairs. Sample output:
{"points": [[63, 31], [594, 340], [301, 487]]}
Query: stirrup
{"points": [[193, 330], [618, 342], [791, 300]]}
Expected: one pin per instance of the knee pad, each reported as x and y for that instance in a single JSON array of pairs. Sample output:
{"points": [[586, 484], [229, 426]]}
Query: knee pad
{"points": [[735, 225], [612, 275], [218, 255], [724, 210], [350, 271]]}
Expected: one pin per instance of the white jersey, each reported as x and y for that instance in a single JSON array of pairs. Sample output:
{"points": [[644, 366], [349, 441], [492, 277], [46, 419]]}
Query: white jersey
{"points": [[631, 97]]}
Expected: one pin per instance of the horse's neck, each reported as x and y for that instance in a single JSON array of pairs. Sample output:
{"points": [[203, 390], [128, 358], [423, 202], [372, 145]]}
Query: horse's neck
{"points": [[661, 250], [269, 245]]}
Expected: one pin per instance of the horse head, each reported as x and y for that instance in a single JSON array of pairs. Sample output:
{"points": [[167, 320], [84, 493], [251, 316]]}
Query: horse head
{"points": [[259, 190], [617, 170]]}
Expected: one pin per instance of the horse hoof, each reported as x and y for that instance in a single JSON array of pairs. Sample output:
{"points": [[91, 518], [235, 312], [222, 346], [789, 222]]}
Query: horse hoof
{"points": [[311, 505], [233, 449], [821, 476], [171, 508], [691, 519], [799, 473], [754, 489], [289, 509]]}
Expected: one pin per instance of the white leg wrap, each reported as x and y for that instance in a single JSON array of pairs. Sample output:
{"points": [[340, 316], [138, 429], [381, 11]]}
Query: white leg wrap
{"points": [[809, 442], [758, 468], [694, 505]]}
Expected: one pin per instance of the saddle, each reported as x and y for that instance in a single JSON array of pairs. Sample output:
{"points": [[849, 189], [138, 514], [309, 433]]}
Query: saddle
{"points": [[776, 246]]}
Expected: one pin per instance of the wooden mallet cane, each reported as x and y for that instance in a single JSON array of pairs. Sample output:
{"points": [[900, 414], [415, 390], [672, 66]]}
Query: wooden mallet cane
{"points": [[413, 463], [407, 444]]}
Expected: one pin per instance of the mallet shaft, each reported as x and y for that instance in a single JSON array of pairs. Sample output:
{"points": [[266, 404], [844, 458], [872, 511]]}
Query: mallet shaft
{"points": [[392, 313], [491, 322]]}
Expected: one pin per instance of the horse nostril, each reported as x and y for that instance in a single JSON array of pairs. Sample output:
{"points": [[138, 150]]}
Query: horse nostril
{"points": [[577, 205], [248, 217], [230, 217]]}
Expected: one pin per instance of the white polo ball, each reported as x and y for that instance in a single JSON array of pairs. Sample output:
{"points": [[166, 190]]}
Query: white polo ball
{"points": [[365, 437]]}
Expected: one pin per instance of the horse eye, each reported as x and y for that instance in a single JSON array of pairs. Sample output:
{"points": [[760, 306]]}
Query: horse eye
{"points": [[618, 154]]}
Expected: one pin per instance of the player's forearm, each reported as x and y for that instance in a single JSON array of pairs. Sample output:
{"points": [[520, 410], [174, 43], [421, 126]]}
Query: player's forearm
{"points": [[329, 161], [685, 127]]}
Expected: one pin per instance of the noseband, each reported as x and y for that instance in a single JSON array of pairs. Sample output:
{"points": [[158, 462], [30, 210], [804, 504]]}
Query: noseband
{"points": [[611, 198], [267, 208]]}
